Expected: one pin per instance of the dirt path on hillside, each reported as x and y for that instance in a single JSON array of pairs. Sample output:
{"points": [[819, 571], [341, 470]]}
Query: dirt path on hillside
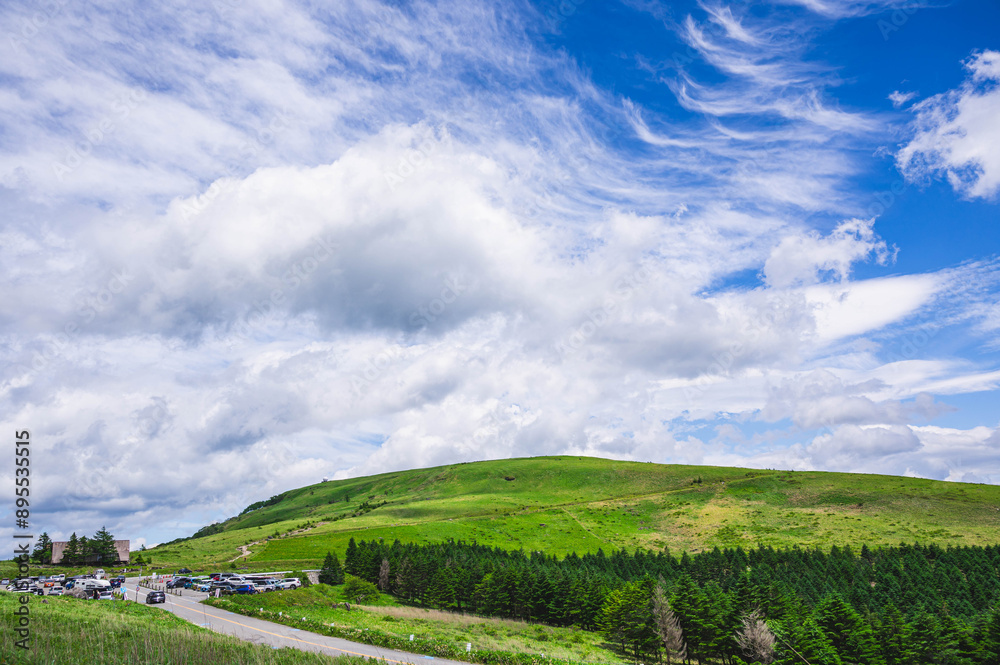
{"points": [[245, 549], [577, 520]]}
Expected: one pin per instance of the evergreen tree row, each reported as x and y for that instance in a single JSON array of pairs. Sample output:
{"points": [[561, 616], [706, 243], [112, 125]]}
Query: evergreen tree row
{"points": [[100, 548], [836, 606]]}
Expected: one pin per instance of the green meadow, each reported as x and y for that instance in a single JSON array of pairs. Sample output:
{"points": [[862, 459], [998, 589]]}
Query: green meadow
{"points": [[67, 631], [317, 607], [578, 504]]}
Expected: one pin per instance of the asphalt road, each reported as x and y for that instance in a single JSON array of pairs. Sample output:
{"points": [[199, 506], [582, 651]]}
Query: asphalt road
{"points": [[275, 635]]}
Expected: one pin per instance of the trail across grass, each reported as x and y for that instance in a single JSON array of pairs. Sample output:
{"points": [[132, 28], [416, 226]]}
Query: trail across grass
{"points": [[572, 504]]}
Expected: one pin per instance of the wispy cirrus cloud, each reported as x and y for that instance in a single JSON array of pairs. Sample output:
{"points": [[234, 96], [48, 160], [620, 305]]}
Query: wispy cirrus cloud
{"points": [[372, 235]]}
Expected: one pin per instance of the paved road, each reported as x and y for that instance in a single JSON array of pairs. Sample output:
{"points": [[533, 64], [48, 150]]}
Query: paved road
{"points": [[275, 635]]}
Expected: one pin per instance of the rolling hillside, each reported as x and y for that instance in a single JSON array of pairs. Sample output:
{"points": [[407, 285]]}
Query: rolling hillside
{"points": [[565, 504]]}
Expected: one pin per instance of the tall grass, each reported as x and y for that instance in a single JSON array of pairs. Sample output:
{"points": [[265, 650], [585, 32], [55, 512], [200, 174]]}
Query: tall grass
{"points": [[67, 631], [436, 633]]}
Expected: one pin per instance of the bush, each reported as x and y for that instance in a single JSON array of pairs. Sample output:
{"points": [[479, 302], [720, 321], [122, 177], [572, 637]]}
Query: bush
{"points": [[359, 590]]}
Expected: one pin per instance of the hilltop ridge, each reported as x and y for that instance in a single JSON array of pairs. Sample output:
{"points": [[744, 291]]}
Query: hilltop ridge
{"points": [[566, 504]]}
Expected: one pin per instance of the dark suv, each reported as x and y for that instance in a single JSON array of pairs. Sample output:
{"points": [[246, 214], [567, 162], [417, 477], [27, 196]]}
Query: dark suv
{"points": [[155, 597], [224, 587], [178, 582]]}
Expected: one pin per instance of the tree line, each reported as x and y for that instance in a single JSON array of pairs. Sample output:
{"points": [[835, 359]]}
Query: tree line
{"points": [[902, 605], [100, 549]]}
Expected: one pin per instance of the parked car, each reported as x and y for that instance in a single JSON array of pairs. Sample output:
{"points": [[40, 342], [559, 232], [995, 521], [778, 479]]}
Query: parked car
{"points": [[58, 578], [204, 587], [245, 589], [295, 582], [224, 588], [178, 582], [156, 597], [57, 591], [184, 571]]}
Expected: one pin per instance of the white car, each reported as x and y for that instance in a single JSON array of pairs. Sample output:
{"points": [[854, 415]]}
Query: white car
{"points": [[291, 583]]}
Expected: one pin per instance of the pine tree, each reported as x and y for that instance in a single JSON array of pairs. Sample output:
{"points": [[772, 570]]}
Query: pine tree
{"points": [[692, 610], [627, 619], [86, 549], [991, 638], [331, 573], [103, 545], [383, 575], [848, 633], [43, 549], [755, 639], [72, 553], [668, 627], [351, 562]]}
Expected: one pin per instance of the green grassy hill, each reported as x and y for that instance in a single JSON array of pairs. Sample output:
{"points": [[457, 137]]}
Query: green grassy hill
{"points": [[565, 504]]}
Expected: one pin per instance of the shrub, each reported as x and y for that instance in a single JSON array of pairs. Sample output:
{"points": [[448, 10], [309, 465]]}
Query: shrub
{"points": [[359, 590]]}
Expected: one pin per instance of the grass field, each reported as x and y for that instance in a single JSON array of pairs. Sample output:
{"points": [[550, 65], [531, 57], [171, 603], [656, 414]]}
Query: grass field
{"points": [[565, 504], [68, 631], [316, 604]]}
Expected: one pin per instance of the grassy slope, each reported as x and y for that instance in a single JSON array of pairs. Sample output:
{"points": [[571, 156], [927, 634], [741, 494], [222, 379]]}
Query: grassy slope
{"points": [[67, 630], [316, 604], [564, 504]]}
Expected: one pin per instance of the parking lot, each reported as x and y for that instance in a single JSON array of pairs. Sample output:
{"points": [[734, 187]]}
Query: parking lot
{"points": [[99, 586]]}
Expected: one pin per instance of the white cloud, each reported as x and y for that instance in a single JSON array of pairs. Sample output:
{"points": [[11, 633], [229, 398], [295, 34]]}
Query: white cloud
{"points": [[864, 306], [898, 98], [956, 133], [408, 268], [803, 259]]}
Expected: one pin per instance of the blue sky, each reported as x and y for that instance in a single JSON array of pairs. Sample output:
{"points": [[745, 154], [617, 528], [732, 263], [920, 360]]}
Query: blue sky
{"points": [[248, 245]]}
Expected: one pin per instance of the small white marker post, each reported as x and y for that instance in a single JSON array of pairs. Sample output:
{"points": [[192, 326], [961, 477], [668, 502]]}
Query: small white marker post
{"points": [[411, 638], [468, 647]]}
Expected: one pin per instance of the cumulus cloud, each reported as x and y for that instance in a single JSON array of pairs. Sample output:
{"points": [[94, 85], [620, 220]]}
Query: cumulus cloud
{"points": [[803, 259], [956, 134], [317, 245]]}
